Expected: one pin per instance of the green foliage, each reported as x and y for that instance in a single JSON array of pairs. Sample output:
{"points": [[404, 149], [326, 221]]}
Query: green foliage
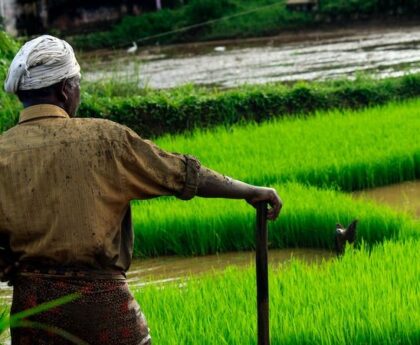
{"points": [[199, 11], [155, 113], [366, 297], [9, 105], [347, 7], [265, 21], [144, 28], [8, 47]]}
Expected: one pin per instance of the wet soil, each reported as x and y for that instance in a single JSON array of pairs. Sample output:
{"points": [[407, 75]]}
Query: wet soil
{"points": [[168, 269], [403, 196]]}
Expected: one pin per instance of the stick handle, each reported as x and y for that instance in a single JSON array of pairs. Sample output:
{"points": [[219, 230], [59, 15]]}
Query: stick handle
{"points": [[262, 274]]}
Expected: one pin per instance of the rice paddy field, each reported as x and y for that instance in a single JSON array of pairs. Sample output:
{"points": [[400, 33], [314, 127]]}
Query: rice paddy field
{"points": [[310, 161], [371, 295]]}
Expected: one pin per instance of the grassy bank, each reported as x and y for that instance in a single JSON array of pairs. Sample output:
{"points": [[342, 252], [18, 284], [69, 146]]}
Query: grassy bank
{"points": [[204, 226], [234, 19], [153, 113], [368, 297]]}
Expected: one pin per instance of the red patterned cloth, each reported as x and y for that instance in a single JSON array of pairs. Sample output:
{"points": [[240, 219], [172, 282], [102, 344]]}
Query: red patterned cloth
{"points": [[106, 313]]}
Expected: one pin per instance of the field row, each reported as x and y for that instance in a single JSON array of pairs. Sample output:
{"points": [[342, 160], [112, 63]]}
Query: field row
{"points": [[351, 150], [203, 226], [367, 297]]}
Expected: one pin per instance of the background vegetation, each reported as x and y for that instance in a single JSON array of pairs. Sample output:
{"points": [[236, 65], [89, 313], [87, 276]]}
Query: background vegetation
{"points": [[154, 113], [265, 21], [9, 105]]}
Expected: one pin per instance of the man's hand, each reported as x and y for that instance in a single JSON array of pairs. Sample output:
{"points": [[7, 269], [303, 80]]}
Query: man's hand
{"points": [[271, 197], [214, 185], [8, 265], [7, 272]]}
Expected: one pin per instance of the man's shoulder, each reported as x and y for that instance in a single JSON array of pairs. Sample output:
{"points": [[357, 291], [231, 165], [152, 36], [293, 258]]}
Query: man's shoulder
{"points": [[102, 126]]}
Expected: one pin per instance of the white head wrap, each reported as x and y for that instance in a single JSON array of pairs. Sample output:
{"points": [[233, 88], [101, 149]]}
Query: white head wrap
{"points": [[41, 62]]}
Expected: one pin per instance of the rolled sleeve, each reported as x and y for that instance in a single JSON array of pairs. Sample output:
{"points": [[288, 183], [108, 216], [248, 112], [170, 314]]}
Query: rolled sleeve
{"points": [[191, 179], [149, 171]]}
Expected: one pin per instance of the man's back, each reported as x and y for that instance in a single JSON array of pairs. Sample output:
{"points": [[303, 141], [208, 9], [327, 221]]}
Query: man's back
{"points": [[62, 190], [66, 184]]}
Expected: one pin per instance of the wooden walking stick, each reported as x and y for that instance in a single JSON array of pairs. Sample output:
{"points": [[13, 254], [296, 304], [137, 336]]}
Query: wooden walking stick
{"points": [[262, 274]]}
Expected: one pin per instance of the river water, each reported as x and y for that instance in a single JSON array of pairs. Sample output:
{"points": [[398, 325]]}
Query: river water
{"points": [[316, 56]]}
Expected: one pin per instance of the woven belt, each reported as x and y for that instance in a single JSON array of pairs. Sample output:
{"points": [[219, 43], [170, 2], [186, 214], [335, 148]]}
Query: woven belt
{"points": [[68, 272]]}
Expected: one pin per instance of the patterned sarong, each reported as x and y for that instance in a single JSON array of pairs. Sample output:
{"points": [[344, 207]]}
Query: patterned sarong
{"points": [[105, 314]]}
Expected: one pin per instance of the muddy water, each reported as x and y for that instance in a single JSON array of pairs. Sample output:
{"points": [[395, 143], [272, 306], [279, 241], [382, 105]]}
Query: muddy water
{"points": [[153, 271], [169, 269], [403, 196], [382, 53]]}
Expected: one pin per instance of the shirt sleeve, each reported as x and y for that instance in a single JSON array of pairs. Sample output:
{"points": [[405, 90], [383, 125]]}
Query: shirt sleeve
{"points": [[149, 171]]}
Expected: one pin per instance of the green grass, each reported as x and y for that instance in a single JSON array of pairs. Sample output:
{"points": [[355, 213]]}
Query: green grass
{"points": [[205, 226], [351, 150], [367, 297]]}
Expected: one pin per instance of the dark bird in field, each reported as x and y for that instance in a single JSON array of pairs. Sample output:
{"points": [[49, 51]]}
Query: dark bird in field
{"points": [[343, 236]]}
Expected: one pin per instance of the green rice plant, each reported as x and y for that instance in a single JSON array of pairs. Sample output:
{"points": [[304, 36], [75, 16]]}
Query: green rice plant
{"points": [[205, 226], [350, 150], [366, 297]]}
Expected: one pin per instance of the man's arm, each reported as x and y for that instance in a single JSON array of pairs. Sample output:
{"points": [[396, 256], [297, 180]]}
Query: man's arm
{"points": [[214, 185], [150, 172]]}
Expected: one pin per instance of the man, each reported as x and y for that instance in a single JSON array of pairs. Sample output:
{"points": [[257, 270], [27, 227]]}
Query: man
{"points": [[65, 187]]}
